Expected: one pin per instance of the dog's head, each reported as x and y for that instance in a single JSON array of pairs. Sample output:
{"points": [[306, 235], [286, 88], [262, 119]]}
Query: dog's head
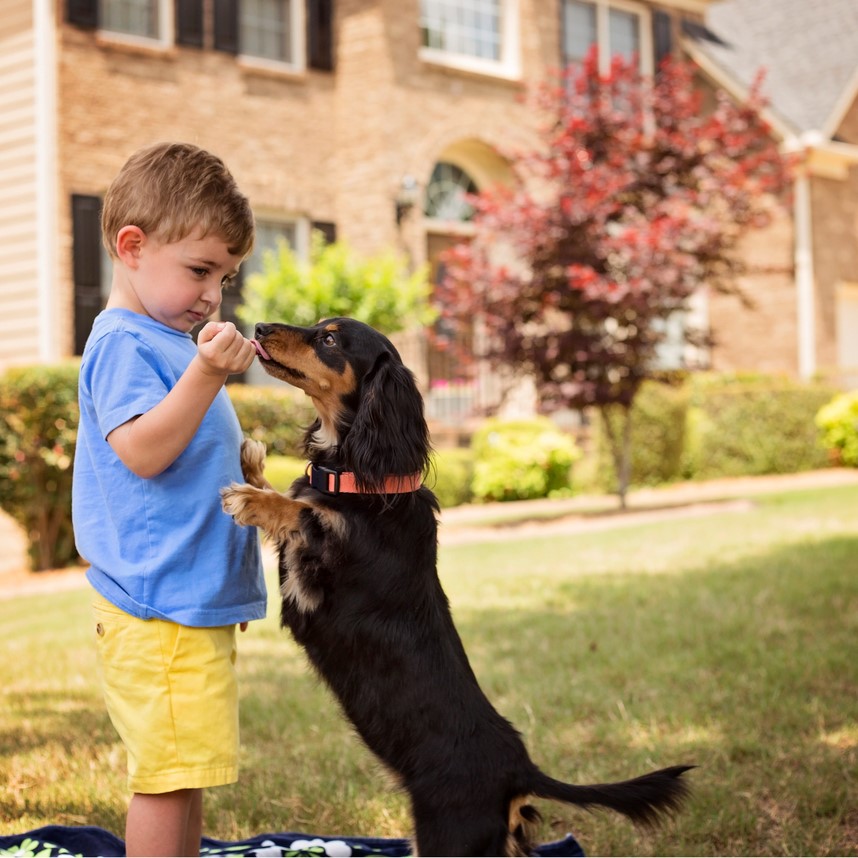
{"points": [[370, 411]]}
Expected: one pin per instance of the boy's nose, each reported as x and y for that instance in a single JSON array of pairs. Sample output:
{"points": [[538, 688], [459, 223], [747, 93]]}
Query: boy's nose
{"points": [[212, 294]]}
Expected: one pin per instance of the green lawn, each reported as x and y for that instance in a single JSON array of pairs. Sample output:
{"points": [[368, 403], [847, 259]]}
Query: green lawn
{"points": [[729, 641]]}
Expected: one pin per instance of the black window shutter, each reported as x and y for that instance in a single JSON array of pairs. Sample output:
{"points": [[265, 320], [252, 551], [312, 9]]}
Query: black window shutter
{"points": [[231, 299], [189, 23], [84, 13], [320, 34], [662, 36], [328, 230], [226, 26], [86, 265]]}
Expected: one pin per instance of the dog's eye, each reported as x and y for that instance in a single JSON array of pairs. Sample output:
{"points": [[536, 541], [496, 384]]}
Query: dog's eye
{"points": [[329, 340]]}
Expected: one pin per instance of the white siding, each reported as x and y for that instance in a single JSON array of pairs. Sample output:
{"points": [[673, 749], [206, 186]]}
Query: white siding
{"points": [[19, 246]]}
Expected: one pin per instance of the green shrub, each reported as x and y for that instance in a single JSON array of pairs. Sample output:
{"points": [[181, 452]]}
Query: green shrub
{"points": [[38, 429], [276, 416], [837, 421], [521, 459], [658, 432], [451, 476], [336, 281], [747, 426]]}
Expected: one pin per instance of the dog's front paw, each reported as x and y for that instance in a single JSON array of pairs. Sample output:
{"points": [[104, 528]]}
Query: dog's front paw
{"points": [[253, 462], [241, 503]]}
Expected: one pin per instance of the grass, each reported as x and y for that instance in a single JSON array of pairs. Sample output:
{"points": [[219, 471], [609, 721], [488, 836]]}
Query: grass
{"points": [[728, 641]]}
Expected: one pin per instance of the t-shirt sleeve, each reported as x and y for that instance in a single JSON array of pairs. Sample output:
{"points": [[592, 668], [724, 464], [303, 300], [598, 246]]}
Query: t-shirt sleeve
{"points": [[125, 378]]}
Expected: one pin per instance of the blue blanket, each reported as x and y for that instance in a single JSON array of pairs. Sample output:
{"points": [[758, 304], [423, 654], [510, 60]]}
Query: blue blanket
{"points": [[54, 840]]}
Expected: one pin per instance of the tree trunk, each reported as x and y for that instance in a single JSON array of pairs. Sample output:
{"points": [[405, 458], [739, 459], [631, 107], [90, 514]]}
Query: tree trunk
{"points": [[620, 446]]}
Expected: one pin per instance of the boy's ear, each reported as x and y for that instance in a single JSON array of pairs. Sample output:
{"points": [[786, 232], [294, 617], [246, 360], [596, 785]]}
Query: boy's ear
{"points": [[129, 242]]}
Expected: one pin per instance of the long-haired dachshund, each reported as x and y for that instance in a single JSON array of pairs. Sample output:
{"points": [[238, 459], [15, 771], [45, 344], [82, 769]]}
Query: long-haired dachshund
{"points": [[357, 540]]}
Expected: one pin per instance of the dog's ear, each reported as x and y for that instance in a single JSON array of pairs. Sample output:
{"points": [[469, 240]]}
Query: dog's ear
{"points": [[389, 433]]}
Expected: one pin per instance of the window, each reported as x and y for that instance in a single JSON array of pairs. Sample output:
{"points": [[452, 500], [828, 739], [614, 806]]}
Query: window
{"points": [[617, 28], [446, 192], [271, 33], [144, 19], [472, 28], [282, 34], [268, 235], [474, 35], [267, 30]]}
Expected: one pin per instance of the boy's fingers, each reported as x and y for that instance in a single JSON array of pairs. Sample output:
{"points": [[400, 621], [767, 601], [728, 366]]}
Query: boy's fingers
{"points": [[209, 331]]}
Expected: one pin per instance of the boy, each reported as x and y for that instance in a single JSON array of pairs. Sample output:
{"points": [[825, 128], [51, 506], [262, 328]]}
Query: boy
{"points": [[158, 438]]}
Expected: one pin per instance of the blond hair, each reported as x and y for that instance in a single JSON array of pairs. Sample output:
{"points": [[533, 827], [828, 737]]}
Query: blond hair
{"points": [[170, 190]]}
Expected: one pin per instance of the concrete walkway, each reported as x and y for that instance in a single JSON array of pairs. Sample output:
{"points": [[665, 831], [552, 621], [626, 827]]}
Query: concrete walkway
{"points": [[501, 521]]}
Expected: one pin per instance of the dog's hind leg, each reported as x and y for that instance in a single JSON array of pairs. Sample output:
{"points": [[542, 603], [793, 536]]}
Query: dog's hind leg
{"points": [[464, 836]]}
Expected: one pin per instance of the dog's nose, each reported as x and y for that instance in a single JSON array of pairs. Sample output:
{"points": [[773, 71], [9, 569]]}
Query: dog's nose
{"points": [[262, 330]]}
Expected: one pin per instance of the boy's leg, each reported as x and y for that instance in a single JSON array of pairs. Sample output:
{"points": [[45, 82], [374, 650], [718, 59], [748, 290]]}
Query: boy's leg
{"points": [[194, 835], [164, 823]]}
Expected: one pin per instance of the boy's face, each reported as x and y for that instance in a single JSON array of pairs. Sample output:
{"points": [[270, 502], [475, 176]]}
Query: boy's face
{"points": [[180, 283]]}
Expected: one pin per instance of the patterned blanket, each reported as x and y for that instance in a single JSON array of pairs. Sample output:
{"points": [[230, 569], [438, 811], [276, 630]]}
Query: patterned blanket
{"points": [[59, 840]]}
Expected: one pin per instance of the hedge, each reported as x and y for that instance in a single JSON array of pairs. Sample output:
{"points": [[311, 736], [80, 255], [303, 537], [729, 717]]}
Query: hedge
{"points": [[38, 430], [753, 425], [709, 426], [659, 431], [277, 416]]}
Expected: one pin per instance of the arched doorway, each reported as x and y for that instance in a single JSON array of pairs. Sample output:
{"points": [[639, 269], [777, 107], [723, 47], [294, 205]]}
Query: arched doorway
{"points": [[455, 393]]}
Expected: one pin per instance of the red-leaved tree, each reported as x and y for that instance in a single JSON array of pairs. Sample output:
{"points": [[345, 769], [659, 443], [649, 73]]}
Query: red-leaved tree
{"points": [[636, 198]]}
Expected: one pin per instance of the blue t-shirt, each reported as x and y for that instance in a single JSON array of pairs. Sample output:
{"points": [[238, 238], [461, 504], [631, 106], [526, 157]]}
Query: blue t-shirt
{"points": [[159, 547]]}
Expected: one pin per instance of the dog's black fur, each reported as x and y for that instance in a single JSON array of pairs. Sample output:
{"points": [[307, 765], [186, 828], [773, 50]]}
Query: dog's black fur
{"points": [[361, 594]]}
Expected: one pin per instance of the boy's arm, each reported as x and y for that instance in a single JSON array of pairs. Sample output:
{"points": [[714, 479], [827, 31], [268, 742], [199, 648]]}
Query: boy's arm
{"points": [[149, 443]]}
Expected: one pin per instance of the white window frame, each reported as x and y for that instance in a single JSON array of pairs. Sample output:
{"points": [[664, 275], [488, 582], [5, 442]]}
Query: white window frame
{"points": [[603, 10], [163, 39], [507, 67], [846, 303], [298, 47]]}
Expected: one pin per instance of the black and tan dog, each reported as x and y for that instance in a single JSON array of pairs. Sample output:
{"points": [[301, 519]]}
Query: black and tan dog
{"points": [[357, 539]]}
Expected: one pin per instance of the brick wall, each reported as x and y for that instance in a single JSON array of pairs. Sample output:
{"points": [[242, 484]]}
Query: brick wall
{"points": [[761, 336], [330, 147]]}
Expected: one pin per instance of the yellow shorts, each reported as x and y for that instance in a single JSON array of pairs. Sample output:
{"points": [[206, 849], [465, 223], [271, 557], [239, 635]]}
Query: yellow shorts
{"points": [[172, 695]]}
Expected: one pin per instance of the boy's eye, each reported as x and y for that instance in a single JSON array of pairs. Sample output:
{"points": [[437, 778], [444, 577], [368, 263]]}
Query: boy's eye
{"points": [[200, 272]]}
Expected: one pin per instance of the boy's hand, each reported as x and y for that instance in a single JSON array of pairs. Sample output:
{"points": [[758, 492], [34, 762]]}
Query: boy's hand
{"points": [[223, 350]]}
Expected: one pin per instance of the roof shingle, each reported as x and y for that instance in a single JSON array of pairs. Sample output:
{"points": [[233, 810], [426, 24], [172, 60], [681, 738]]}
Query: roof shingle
{"points": [[808, 49]]}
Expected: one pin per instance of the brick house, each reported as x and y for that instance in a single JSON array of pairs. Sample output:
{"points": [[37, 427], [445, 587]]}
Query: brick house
{"points": [[805, 321], [368, 118]]}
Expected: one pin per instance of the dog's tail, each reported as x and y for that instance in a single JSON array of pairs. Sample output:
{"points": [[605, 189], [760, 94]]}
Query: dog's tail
{"points": [[644, 800]]}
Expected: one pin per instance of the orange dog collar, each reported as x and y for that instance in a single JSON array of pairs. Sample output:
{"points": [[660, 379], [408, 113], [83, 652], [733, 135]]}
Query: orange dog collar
{"points": [[335, 482]]}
